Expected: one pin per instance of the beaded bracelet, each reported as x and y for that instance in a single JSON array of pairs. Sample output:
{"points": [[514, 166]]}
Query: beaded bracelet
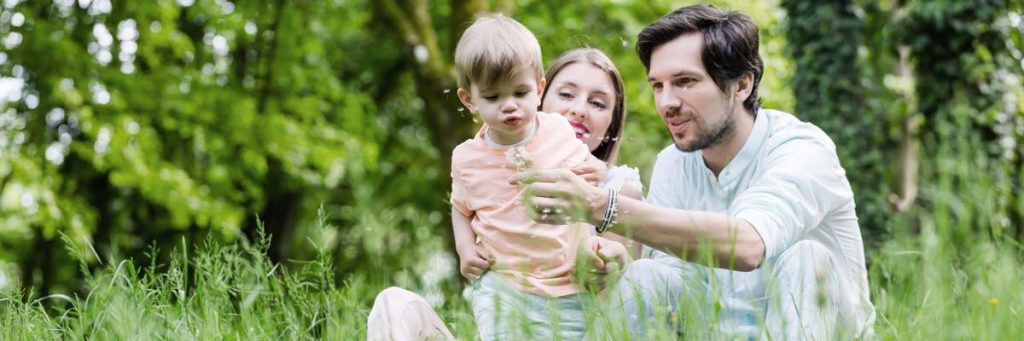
{"points": [[611, 212]]}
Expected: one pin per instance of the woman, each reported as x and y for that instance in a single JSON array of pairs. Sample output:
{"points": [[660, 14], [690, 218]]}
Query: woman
{"points": [[586, 88]]}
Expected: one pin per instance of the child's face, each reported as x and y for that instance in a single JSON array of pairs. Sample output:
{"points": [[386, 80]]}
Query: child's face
{"points": [[508, 106]]}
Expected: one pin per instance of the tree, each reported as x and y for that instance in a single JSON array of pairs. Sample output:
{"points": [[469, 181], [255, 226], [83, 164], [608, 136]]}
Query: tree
{"points": [[208, 112], [967, 84], [824, 39]]}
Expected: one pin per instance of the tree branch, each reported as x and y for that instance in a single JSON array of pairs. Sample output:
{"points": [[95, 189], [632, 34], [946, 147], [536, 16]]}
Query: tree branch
{"points": [[910, 146], [463, 12]]}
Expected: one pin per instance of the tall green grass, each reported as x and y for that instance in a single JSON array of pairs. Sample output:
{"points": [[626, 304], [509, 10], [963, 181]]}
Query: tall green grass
{"points": [[949, 272], [215, 292], [943, 274]]}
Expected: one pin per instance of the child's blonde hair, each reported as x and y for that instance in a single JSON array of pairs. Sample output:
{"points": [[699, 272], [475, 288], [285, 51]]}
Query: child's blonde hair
{"points": [[493, 48]]}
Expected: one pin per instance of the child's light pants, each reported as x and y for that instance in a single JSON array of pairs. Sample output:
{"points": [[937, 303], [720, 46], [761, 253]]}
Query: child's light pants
{"points": [[503, 312]]}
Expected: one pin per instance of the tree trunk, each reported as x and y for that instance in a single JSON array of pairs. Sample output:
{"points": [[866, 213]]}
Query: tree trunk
{"points": [[434, 77]]}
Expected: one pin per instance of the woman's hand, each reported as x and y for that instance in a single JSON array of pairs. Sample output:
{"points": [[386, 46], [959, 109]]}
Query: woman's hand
{"points": [[593, 175], [559, 196]]}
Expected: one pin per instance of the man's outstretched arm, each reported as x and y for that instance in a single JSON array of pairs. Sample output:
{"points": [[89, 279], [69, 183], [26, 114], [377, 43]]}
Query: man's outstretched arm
{"points": [[733, 243]]}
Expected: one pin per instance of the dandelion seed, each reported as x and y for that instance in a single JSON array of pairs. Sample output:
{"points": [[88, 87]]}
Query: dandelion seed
{"points": [[421, 53], [446, 91], [517, 157]]}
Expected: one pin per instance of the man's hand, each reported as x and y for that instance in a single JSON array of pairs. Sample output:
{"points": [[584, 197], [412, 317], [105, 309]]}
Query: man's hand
{"points": [[474, 262], [558, 196], [600, 263]]}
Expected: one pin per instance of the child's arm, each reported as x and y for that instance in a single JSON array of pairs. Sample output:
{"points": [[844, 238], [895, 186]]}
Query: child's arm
{"points": [[473, 259]]}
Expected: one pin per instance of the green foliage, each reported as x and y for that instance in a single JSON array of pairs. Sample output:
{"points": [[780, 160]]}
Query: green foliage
{"points": [[968, 69], [824, 39], [148, 121], [950, 280]]}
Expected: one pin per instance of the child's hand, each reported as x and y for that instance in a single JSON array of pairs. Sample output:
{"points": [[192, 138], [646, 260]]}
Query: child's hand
{"points": [[603, 259], [474, 262], [590, 173]]}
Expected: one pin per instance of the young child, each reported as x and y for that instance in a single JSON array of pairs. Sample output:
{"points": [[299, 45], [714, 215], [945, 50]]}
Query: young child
{"points": [[500, 78]]}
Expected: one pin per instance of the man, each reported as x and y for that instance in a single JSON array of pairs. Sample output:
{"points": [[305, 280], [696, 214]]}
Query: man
{"points": [[749, 212]]}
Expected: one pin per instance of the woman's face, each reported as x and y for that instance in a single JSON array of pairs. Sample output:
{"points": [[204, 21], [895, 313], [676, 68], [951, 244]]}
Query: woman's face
{"points": [[583, 94]]}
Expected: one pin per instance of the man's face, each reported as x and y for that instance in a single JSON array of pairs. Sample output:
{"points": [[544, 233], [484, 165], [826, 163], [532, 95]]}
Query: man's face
{"points": [[698, 114], [508, 106]]}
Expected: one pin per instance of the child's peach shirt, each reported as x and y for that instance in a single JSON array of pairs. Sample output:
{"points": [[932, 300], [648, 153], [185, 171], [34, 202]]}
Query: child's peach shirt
{"points": [[533, 257]]}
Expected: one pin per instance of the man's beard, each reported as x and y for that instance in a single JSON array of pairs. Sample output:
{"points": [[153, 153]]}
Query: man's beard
{"points": [[714, 134]]}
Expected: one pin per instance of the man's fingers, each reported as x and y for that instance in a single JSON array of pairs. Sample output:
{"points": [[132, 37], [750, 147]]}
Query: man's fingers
{"points": [[522, 178], [529, 177], [540, 176], [551, 205], [546, 189]]}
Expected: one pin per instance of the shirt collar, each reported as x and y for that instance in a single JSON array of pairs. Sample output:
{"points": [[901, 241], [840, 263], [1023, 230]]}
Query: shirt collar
{"points": [[747, 154]]}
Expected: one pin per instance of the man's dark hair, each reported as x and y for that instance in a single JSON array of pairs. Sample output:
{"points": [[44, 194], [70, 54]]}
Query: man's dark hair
{"points": [[730, 47]]}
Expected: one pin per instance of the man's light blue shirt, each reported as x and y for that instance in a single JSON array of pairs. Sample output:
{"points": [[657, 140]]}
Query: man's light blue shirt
{"points": [[788, 184]]}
